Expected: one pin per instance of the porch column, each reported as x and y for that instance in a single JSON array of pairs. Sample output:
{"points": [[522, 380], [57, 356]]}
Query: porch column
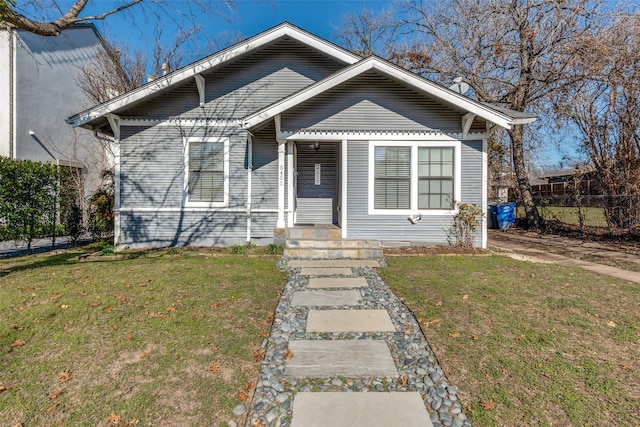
{"points": [[290, 203], [282, 145]]}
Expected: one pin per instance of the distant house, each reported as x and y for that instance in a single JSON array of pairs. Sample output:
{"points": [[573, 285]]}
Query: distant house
{"points": [[285, 129], [561, 187], [38, 90]]}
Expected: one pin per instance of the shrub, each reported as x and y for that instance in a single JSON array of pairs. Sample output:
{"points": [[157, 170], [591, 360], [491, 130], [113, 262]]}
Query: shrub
{"points": [[73, 223], [465, 224]]}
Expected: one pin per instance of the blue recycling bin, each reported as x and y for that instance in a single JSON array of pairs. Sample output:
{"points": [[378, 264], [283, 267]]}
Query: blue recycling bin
{"points": [[504, 215]]}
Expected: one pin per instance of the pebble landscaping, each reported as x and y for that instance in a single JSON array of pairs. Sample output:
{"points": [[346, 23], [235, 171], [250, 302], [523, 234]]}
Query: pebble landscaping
{"points": [[418, 369]]}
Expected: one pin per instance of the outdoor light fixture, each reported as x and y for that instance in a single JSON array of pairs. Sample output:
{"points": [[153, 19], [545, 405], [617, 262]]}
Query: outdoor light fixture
{"points": [[31, 133], [316, 145], [414, 218]]}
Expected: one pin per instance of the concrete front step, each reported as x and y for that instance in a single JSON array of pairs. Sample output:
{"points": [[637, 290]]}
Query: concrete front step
{"points": [[332, 244], [319, 232], [351, 253], [339, 409]]}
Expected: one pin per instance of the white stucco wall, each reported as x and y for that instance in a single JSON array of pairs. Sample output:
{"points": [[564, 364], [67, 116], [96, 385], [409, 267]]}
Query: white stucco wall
{"points": [[46, 93]]}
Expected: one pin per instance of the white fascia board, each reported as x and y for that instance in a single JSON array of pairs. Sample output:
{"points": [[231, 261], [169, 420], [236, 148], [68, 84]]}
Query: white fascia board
{"points": [[211, 62], [404, 76]]}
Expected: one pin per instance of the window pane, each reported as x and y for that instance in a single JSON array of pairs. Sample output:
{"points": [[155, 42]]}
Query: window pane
{"points": [[447, 169], [206, 171], [392, 177]]}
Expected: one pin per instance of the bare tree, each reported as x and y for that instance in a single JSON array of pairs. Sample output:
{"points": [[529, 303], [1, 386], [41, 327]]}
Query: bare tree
{"points": [[606, 111], [116, 71], [366, 33], [513, 53], [51, 18]]}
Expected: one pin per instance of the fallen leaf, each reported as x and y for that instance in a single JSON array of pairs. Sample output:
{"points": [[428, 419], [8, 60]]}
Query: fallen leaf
{"points": [[171, 308], [129, 337], [242, 396], [455, 335], [93, 304], [405, 380], [488, 405], [431, 322], [257, 423], [288, 354], [624, 367], [114, 327], [473, 337], [53, 407], [470, 409], [566, 285], [56, 297], [4, 388], [519, 337], [82, 293], [259, 354], [215, 304], [465, 296], [270, 317], [55, 394], [407, 328], [214, 368], [144, 355], [488, 296], [64, 306], [107, 309], [611, 324], [113, 419], [64, 376], [18, 343], [438, 304]]}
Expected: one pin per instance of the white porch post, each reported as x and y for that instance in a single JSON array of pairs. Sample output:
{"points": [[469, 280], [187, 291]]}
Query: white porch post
{"points": [[343, 183], [281, 172], [290, 183], [485, 194]]}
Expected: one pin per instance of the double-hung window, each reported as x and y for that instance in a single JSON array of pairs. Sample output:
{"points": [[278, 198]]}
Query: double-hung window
{"points": [[206, 172], [409, 177]]}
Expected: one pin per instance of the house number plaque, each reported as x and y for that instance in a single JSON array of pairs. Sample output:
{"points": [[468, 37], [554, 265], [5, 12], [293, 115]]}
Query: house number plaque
{"points": [[318, 173]]}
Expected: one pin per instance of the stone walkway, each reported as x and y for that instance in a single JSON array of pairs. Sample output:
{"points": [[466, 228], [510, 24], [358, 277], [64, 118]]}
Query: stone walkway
{"points": [[345, 351]]}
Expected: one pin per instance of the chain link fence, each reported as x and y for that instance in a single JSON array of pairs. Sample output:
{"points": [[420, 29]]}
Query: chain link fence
{"points": [[589, 213]]}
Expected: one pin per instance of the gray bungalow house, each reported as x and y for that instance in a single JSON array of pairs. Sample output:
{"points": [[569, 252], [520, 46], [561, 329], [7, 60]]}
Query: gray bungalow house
{"points": [[285, 129]]}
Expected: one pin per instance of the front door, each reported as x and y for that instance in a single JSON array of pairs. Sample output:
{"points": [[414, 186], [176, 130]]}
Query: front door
{"points": [[317, 182]]}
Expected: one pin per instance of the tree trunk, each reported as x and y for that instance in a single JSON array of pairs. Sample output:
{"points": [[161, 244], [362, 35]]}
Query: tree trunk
{"points": [[517, 150]]}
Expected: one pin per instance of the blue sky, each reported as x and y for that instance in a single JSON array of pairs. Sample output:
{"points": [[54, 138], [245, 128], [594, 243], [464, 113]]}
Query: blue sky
{"points": [[320, 17]]}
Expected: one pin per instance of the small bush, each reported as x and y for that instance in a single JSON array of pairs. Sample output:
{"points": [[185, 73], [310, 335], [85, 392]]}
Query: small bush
{"points": [[238, 250], [274, 249], [73, 223], [465, 224]]}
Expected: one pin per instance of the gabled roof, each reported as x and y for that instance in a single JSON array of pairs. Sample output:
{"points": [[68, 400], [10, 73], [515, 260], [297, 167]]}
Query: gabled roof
{"points": [[500, 116], [188, 72]]}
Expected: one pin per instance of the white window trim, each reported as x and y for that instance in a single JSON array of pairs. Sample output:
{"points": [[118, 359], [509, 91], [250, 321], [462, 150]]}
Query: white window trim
{"points": [[414, 176], [185, 188]]}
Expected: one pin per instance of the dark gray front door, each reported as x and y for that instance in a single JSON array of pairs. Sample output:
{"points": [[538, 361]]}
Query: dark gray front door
{"points": [[317, 183]]}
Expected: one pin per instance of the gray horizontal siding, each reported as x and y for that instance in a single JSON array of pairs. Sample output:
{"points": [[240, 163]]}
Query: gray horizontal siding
{"points": [[183, 229], [151, 165], [244, 85], [264, 179], [432, 229], [262, 225], [372, 102]]}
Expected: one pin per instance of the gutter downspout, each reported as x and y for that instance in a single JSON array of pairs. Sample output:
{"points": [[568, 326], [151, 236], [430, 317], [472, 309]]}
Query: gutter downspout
{"points": [[12, 84], [249, 177]]}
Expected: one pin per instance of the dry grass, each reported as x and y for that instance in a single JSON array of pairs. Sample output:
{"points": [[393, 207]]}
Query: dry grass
{"points": [[158, 338], [547, 345]]}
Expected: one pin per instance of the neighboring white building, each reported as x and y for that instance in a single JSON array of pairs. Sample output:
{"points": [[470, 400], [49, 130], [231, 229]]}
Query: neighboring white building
{"points": [[38, 90]]}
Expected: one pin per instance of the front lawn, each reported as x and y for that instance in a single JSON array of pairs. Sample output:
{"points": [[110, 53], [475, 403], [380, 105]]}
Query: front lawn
{"points": [[155, 338], [528, 344]]}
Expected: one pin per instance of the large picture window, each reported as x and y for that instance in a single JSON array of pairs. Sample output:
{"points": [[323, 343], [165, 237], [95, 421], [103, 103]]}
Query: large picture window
{"points": [[405, 177], [206, 166]]}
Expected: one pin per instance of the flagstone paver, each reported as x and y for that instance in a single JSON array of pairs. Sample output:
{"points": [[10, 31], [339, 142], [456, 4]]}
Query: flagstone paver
{"points": [[394, 409], [349, 321], [326, 271], [325, 298], [349, 358], [337, 282]]}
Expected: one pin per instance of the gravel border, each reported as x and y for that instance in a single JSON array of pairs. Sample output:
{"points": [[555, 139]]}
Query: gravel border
{"points": [[417, 364]]}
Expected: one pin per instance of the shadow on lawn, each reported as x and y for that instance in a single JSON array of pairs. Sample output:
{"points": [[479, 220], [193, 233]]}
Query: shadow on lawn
{"points": [[67, 258]]}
